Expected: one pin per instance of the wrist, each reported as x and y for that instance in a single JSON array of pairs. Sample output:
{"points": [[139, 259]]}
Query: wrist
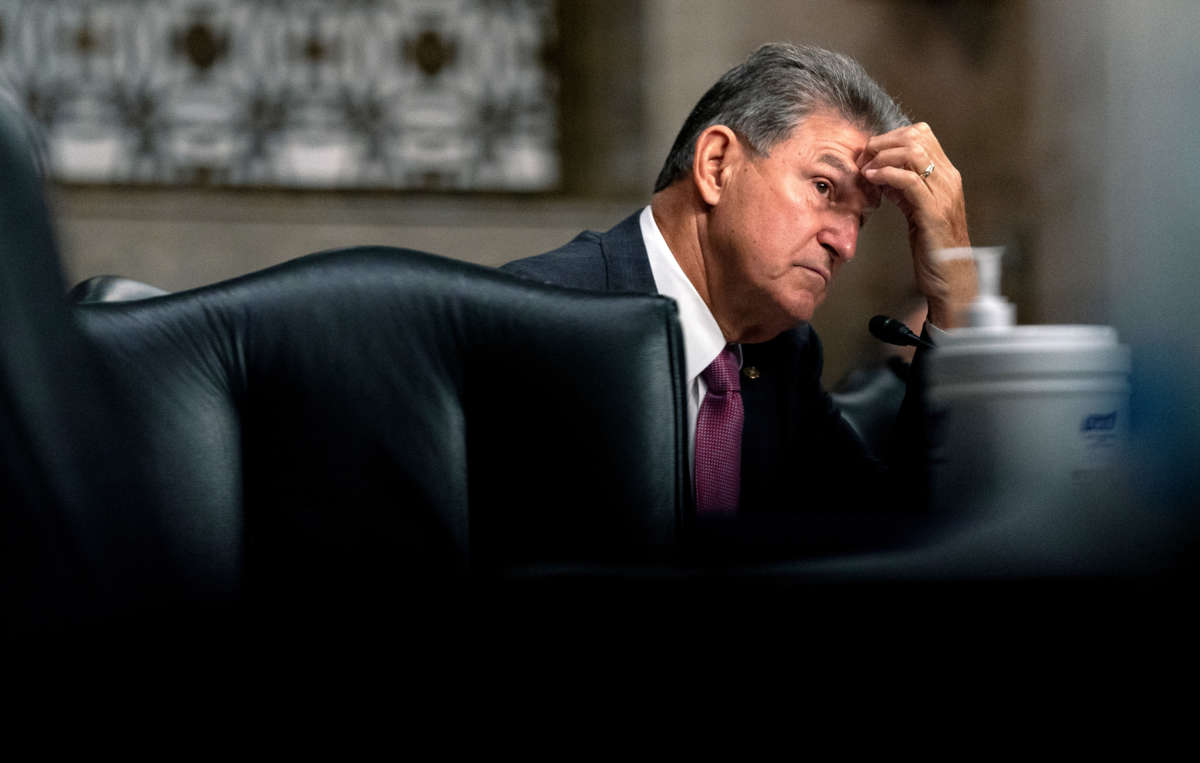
{"points": [[952, 291], [942, 313]]}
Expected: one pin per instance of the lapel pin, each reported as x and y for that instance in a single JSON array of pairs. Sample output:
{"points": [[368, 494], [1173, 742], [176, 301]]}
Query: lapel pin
{"points": [[750, 372]]}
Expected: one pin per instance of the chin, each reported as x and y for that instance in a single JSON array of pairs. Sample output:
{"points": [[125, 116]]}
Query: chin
{"points": [[804, 314], [801, 312]]}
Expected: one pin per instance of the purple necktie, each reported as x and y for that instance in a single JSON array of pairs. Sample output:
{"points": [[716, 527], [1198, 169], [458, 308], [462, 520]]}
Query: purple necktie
{"points": [[719, 437]]}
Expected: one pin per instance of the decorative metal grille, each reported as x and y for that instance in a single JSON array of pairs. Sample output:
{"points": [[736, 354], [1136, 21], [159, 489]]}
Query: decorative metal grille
{"points": [[416, 94]]}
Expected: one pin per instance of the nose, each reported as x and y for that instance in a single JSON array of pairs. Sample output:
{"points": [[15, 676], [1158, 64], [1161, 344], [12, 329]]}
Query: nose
{"points": [[839, 236]]}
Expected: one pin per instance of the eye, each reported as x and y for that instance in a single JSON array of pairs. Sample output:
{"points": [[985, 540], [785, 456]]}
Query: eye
{"points": [[823, 187]]}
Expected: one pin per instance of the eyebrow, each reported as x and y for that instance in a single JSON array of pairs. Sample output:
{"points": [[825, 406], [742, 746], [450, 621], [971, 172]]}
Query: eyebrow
{"points": [[835, 162]]}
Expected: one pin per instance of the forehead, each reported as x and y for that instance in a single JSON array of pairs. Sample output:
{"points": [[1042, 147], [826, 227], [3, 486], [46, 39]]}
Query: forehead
{"points": [[827, 132]]}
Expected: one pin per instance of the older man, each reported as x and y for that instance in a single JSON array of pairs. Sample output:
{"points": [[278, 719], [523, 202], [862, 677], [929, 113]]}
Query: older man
{"points": [[758, 206]]}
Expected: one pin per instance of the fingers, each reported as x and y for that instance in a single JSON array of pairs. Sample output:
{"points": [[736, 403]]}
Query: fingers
{"points": [[910, 158], [900, 157], [933, 203], [910, 184], [919, 134]]}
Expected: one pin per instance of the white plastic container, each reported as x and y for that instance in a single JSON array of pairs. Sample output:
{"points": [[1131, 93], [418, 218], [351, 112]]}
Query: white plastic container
{"points": [[1027, 411]]}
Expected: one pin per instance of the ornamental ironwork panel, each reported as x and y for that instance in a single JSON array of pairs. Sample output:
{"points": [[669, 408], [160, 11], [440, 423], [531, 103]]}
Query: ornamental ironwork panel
{"points": [[406, 94]]}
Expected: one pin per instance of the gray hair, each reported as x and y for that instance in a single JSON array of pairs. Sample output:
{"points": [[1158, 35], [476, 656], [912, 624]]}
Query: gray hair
{"points": [[766, 96]]}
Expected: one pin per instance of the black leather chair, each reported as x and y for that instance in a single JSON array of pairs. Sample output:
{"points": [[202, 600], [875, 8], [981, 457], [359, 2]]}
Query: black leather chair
{"points": [[111, 288], [870, 399], [349, 433]]}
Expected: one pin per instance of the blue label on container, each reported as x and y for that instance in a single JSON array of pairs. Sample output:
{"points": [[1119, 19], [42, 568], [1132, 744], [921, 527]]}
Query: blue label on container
{"points": [[1100, 422]]}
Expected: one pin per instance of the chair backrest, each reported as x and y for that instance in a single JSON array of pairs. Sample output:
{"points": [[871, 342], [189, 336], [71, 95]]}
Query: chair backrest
{"points": [[358, 418]]}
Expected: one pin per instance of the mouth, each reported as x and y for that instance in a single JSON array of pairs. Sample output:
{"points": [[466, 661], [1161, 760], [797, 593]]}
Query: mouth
{"points": [[822, 273]]}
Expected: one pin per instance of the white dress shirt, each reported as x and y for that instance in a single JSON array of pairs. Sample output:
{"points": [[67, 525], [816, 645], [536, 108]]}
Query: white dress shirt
{"points": [[702, 337]]}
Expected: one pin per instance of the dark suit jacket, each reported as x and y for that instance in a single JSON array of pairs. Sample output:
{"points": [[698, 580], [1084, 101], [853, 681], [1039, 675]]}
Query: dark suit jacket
{"points": [[800, 459]]}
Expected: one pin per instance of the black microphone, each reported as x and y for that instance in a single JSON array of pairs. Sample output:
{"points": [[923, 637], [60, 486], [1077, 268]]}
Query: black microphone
{"points": [[893, 331]]}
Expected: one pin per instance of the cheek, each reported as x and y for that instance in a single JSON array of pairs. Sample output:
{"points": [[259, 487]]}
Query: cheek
{"points": [[782, 247]]}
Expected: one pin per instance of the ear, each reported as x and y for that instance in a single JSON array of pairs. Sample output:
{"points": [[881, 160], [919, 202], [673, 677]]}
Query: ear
{"points": [[717, 151]]}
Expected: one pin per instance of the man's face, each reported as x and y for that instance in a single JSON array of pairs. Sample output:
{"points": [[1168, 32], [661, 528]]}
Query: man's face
{"points": [[784, 225]]}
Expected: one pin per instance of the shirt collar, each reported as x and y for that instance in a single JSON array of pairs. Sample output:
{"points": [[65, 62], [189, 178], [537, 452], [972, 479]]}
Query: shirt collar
{"points": [[702, 337]]}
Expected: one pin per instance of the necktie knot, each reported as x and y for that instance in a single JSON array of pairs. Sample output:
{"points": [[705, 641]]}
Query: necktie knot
{"points": [[721, 376]]}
